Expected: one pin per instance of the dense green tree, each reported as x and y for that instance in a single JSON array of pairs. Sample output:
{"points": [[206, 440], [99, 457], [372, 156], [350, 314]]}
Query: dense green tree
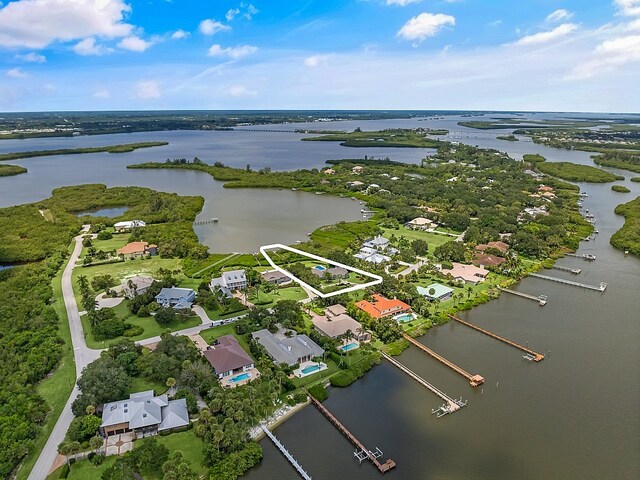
{"points": [[101, 381], [178, 468]]}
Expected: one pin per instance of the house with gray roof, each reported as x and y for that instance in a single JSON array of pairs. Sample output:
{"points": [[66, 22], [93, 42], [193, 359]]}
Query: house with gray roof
{"points": [[275, 277], [144, 414], [229, 282], [137, 285], [440, 292], [177, 298], [289, 350]]}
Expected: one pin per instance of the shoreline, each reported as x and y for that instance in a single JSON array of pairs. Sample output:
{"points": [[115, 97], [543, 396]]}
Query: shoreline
{"points": [[277, 419]]}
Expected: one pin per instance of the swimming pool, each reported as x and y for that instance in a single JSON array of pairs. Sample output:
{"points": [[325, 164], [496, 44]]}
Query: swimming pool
{"points": [[407, 317], [349, 346], [320, 268], [311, 369], [239, 378]]}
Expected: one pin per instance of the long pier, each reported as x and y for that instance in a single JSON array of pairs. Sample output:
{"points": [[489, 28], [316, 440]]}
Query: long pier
{"points": [[541, 299], [474, 380], [451, 405], [586, 256], [575, 271], [285, 452], [202, 222], [598, 288], [535, 355], [362, 452]]}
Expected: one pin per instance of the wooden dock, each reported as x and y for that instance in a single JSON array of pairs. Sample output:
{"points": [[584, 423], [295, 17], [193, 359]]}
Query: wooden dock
{"points": [[598, 288], [585, 256], [474, 380], [285, 452], [203, 222], [541, 299], [362, 453], [575, 271], [536, 356], [451, 405]]}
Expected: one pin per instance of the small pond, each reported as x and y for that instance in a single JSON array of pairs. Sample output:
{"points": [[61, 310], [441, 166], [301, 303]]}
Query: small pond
{"points": [[105, 212]]}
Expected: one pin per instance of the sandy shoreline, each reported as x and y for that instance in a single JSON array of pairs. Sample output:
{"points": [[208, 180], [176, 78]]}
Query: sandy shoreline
{"points": [[278, 417]]}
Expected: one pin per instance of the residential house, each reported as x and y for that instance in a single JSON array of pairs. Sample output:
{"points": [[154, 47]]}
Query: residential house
{"points": [[229, 282], [382, 307], [356, 183], [275, 277], [137, 250], [289, 350], [229, 360], [177, 298], [440, 292], [128, 225], [374, 257], [336, 322], [338, 272], [378, 243], [467, 273], [357, 170], [329, 171], [421, 223], [137, 285], [500, 246], [483, 260], [144, 414]]}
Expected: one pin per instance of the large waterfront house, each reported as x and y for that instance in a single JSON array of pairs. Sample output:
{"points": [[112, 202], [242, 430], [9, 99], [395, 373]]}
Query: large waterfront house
{"points": [[289, 350], [275, 277], [144, 414], [229, 282], [228, 359], [336, 322], [421, 223], [467, 273], [381, 307], [137, 285], [440, 292], [137, 250], [484, 261], [178, 298], [128, 225]]}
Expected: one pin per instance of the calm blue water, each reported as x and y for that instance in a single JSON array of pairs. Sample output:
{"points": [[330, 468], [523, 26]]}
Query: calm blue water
{"points": [[349, 346], [320, 268], [105, 212], [241, 377]]}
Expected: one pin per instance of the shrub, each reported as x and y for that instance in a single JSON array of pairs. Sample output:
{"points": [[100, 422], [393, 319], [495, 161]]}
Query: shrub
{"points": [[343, 379], [64, 471], [104, 235], [319, 392], [133, 331]]}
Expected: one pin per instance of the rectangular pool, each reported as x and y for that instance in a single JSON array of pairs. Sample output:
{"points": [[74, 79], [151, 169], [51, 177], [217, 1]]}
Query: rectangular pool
{"points": [[239, 378], [349, 346]]}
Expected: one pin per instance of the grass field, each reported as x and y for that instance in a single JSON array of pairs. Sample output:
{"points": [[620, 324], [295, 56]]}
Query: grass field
{"points": [[121, 270], [288, 293], [210, 334], [142, 384], [433, 239]]}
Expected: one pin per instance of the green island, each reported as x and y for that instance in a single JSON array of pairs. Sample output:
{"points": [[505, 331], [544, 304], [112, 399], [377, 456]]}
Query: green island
{"points": [[124, 148], [415, 138], [10, 170], [479, 195], [635, 179], [508, 138], [575, 172], [620, 189], [622, 160], [628, 237], [510, 123]]}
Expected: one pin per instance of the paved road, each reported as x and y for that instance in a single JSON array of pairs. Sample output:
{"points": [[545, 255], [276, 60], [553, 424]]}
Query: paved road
{"points": [[82, 355]]}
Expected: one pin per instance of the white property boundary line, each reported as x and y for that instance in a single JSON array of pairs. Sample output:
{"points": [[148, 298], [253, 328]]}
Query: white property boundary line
{"points": [[377, 278]]}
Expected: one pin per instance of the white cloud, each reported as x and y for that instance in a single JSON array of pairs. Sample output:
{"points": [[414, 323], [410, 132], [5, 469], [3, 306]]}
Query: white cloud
{"points": [[102, 93], [147, 89], [179, 34], [316, 60], [630, 8], [559, 15], [16, 73], [609, 55], [251, 11], [247, 12], [240, 91], [38, 23], [134, 44], [545, 37], [232, 52], [211, 27], [402, 3], [425, 25], [88, 46], [495, 23], [32, 57], [231, 14]]}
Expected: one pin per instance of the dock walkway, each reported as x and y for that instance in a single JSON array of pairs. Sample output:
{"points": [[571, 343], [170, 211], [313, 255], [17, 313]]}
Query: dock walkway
{"points": [[598, 288], [541, 299], [536, 356], [474, 380], [285, 452], [451, 405], [362, 452], [575, 271]]}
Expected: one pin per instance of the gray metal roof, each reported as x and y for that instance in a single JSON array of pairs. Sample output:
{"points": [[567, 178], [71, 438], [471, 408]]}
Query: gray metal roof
{"points": [[287, 350], [143, 409], [234, 276]]}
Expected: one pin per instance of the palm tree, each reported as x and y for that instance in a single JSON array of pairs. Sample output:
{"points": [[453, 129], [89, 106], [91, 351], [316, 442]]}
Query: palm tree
{"points": [[171, 382], [469, 290]]}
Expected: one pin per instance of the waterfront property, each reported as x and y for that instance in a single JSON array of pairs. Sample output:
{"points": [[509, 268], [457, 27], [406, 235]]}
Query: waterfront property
{"points": [[309, 368], [230, 282], [421, 223], [137, 250], [232, 364], [484, 261], [330, 273], [137, 285], [288, 350], [177, 298], [440, 292], [144, 414], [371, 255], [381, 307], [336, 323], [467, 273], [275, 277], [128, 225]]}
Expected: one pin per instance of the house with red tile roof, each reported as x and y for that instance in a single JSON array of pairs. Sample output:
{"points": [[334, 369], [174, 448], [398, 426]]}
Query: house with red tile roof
{"points": [[382, 307]]}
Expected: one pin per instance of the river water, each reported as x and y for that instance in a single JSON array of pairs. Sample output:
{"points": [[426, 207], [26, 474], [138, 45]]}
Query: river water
{"points": [[572, 416]]}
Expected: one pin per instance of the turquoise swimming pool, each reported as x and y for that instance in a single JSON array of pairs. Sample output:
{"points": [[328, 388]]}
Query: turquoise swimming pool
{"points": [[310, 369], [320, 268], [239, 378], [404, 318], [349, 346]]}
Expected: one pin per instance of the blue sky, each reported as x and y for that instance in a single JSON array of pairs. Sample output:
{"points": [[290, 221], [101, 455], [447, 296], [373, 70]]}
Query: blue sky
{"points": [[331, 54]]}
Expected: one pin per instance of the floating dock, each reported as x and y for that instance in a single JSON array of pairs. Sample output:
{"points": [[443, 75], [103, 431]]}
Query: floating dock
{"points": [[585, 256], [285, 452], [361, 453], [536, 356], [541, 299], [451, 405], [598, 288], [575, 271], [474, 380]]}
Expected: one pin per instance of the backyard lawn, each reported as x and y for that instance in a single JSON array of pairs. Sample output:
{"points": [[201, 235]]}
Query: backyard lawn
{"points": [[433, 239], [287, 293], [210, 334]]}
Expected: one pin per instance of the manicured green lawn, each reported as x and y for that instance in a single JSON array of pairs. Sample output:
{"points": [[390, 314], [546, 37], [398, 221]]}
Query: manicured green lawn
{"points": [[433, 239], [85, 470], [118, 241], [318, 376], [120, 270], [142, 384], [288, 293], [210, 334], [218, 315]]}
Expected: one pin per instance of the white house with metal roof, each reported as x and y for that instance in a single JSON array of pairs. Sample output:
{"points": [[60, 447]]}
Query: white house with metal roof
{"points": [[229, 282], [178, 298], [440, 292], [289, 350]]}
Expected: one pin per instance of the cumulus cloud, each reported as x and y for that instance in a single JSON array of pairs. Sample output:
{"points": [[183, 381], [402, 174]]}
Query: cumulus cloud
{"points": [[240, 91], [102, 93], [16, 73], [179, 34], [231, 14], [134, 44], [232, 52], [425, 25], [38, 23], [630, 8], [88, 46], [559, 15], [316, 60], [211, 27], [548, 36], [32, 57], [402, 3], [609, 55], [250, 12], [147, 89]]}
